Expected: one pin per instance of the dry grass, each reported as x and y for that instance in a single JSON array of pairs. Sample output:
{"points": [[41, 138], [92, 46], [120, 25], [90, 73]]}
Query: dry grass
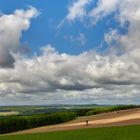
{"points": [[9, 113]]}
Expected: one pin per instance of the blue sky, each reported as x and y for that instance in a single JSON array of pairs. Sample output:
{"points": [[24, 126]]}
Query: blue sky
{"points": [[69, 51], [44, 29]]}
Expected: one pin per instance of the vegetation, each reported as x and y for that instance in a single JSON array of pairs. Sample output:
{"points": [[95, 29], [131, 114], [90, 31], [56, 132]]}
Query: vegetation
{"points": [[31, 110], [82, 112], [109, 109], [27, 121], [16, 123], [112, 133]]}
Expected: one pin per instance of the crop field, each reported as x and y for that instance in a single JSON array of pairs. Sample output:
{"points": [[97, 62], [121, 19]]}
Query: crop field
{"points": [[8, 113], [111, 133]]}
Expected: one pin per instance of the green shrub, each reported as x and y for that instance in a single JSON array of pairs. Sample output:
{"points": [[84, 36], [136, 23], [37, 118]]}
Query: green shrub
{"points": [[82, 112]]}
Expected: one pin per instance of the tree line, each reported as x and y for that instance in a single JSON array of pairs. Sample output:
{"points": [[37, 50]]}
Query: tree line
{"points": [[16, 123], [103, 109], [109, 109]]}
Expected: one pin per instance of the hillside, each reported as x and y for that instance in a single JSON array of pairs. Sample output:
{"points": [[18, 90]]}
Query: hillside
{"points": [[124, 117]]}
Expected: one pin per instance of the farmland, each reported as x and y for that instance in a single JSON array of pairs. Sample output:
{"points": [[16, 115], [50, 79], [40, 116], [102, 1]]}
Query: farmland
{"points": [[8, 113], [29, 120], [45, 109], [111, 133]]}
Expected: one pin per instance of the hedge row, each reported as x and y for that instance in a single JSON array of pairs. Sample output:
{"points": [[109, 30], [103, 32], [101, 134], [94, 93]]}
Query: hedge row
{"points": [[109, 109]]}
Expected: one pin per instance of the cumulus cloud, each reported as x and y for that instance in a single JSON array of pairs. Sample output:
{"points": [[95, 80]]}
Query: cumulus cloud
{"points": [[11, 28], [89, 77], [77, 78], [128, 16]]}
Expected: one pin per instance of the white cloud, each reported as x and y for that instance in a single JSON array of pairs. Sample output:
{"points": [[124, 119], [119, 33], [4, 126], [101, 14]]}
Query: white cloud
{"points": [[88, 77], [104, 8], [62, 77], [79, 39], [11, 28], [82, 38], [77, 10], [128, 16]]}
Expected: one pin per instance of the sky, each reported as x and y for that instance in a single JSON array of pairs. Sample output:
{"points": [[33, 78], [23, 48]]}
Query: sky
{"points": [[69, 52]]}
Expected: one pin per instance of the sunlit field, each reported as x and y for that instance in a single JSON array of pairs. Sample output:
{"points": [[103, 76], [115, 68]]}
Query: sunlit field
{"points": [[112, 133]]}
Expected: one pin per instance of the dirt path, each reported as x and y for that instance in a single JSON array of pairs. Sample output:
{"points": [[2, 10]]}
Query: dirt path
{"points": [[126, 117]]}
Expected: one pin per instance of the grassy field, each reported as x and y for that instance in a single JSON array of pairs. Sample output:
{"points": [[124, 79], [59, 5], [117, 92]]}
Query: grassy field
{"points": [[112, 133], [8, 113]]}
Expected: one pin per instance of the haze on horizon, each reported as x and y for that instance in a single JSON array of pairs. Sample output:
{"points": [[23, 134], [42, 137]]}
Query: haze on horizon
{"points": [[69, 52]]}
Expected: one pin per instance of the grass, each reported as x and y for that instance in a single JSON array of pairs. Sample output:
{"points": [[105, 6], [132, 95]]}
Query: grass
{"points": [[8, 113], [111, 133]]}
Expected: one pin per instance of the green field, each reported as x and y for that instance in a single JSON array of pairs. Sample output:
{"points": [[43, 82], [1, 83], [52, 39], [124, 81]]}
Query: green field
{"points": [[112, 133]]}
